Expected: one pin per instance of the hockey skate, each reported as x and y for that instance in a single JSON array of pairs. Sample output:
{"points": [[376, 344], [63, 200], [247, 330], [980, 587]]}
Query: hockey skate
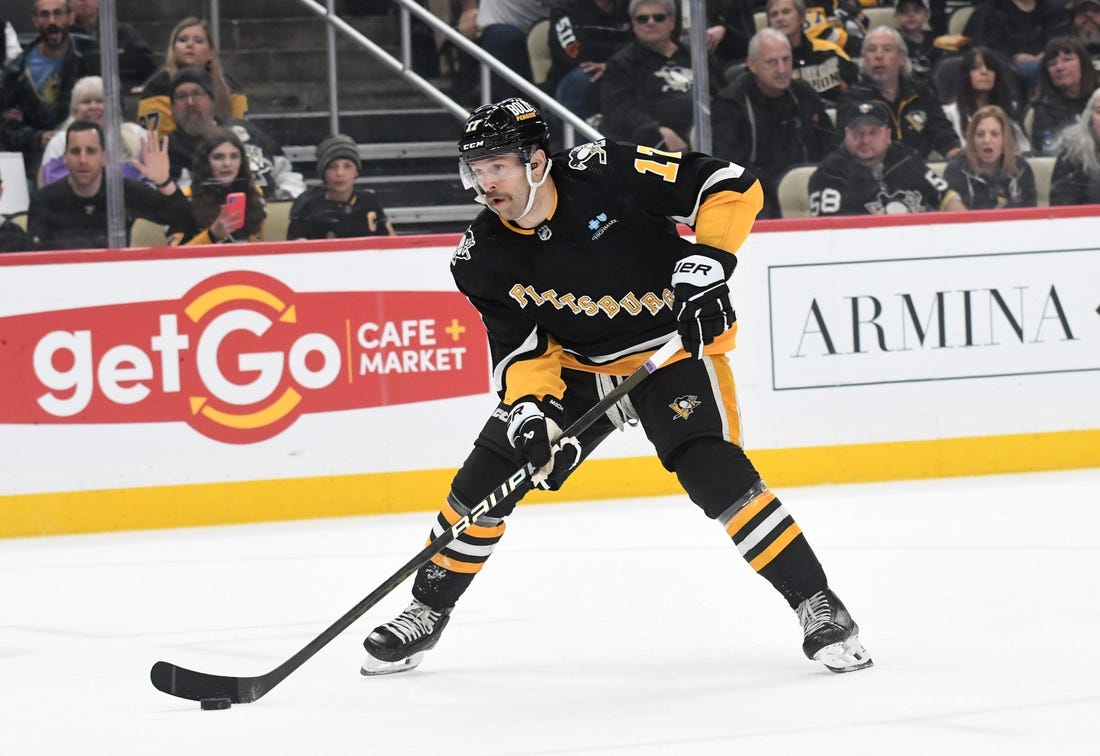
{"points": [[830, 634], [400, 644]]}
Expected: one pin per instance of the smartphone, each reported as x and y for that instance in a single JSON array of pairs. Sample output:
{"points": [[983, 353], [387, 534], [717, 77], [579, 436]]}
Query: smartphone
{"points": [[234, 209]]}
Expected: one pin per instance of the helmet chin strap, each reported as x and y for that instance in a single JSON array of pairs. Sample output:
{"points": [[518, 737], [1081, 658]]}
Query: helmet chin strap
{"points": [[534, 186]]}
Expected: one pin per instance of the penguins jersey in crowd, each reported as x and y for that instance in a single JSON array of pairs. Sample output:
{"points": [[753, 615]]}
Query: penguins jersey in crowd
{"points": [[589, 288], [902, 184]]}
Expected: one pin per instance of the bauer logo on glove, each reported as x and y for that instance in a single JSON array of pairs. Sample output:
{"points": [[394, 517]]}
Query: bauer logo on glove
{"points": [[703, 309]]}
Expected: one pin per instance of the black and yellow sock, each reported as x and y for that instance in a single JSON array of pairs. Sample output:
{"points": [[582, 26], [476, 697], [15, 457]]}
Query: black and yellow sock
{"points": [[772, 543], [450, 572]]}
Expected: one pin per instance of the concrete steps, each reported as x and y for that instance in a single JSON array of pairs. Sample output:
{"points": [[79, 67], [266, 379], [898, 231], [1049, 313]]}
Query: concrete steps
{"points": [[276, 50]]}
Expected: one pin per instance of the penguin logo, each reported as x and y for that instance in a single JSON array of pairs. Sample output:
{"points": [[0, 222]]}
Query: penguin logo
{"points": [[684, 406]]}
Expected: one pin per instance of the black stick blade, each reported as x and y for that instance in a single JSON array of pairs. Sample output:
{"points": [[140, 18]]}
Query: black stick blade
{"points": [[186, 683]]}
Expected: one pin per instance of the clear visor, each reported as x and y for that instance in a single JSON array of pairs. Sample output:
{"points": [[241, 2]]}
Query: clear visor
{"points": [[488, 171]]}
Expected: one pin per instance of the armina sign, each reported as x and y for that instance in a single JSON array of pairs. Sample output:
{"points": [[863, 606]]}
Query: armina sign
{"points": [[239, 357], [849, 323]]}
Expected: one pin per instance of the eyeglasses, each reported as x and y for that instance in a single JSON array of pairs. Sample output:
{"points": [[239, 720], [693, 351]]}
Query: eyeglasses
{"points": [[644, 18], [196, 95]]}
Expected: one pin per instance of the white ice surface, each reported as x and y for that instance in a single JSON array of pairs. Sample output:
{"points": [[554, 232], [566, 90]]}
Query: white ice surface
{"points": [[626, 627]]}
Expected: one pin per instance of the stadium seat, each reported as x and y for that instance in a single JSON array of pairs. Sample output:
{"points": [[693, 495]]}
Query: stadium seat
{"points": [[1043, 167], [278, 220], [794, 192], [880, 16], [146, 233], [957, 22], [538, 49]]}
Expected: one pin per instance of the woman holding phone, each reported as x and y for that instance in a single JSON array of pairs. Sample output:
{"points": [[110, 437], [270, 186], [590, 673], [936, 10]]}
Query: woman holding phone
{"points": [[226, 203]]}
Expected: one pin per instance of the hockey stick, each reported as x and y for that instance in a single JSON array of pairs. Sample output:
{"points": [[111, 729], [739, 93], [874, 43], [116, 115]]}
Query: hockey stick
{"points": [[186, 683]]}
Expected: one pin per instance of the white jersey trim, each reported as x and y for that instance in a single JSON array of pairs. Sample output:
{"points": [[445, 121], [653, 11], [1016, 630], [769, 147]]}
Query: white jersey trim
{"points": [[643, 347], [528, 344], [734, 171]]}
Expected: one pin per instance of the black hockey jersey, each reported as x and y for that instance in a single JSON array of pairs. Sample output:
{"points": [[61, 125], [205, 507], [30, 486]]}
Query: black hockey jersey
{"points": [[903, 184], [589, 288]]}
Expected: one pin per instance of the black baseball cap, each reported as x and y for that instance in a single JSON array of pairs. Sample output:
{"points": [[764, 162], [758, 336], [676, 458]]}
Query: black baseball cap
{"points": [[865, 110]]}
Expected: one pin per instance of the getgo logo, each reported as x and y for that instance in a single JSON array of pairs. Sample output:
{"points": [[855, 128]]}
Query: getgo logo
{"points": [[239, 357]]}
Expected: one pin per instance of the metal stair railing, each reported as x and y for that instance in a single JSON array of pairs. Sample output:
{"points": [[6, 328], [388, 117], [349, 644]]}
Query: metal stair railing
{"points": [[403, 68]]}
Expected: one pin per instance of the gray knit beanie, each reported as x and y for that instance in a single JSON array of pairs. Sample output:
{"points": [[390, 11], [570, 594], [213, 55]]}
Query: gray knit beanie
{"points": [[338, 146]]}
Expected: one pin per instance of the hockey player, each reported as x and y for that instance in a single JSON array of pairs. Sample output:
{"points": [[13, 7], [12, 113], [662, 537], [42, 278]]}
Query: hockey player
{"points": [[578, 273]]}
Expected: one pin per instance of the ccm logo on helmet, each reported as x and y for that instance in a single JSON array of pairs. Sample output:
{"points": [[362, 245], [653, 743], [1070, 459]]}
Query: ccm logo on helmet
{"points": [[471, 145]]}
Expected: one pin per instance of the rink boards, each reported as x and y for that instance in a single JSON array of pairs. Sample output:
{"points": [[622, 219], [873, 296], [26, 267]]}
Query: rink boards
{"points": [[160, 388]]}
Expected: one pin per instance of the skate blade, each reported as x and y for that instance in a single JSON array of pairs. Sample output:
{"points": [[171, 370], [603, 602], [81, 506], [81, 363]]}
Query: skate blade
{"points": [[847, 656], [372, 666]]}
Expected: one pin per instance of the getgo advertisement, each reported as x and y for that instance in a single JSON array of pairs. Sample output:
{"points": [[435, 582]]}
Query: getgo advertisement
{"points": [[239, 357]]}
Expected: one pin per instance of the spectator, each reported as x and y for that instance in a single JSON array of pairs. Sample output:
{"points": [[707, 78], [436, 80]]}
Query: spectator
{"points": [[939, 18], [338, 210], [192, 93], [730, 26], [1018, 29], [1076, 177], [87, 105], [986, 78], [646, 93], [12, 237], [500, 27], [911, 18], [72, 214], [918, 117], [1086, 26], [767, 121], [822, 64], [584, 34], [1065, 81], [38, 84], [135, 58], [871, 174], [190, 44], [840, 21], [989, 173], [220, 169]]}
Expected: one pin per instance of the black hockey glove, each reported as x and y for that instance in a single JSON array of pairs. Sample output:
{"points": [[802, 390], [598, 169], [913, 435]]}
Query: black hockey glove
{"points": [[703, 309], [534, 430]]}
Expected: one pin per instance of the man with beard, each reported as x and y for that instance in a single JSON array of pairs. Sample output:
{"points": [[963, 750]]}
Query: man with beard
{"points": [[1086, 26], [37, 85], [192, 95]]}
